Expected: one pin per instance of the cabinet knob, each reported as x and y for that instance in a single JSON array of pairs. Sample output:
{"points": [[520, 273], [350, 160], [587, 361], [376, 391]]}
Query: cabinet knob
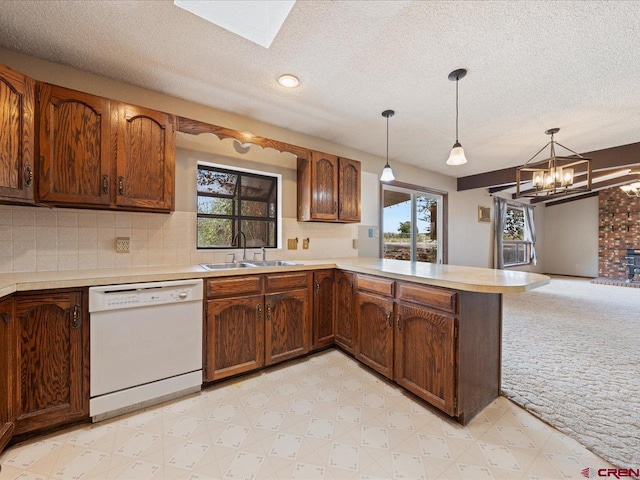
{"points": [[75, 317], [317, 288], [268, 311], [121, 185], [399, 322], [105, 184], [28, 175], [259, 311], [5, 317], [389, 321]]}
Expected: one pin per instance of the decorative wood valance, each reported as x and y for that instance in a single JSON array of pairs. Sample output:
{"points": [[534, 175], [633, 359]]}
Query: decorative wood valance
{"points": [[196, 127]]}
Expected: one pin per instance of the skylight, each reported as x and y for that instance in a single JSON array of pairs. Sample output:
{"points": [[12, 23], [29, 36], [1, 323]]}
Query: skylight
{"points": [[256, 20]]}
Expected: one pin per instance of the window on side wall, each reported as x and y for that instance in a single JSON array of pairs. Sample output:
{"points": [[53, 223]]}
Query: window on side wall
{"points": [[515, 249], [232, 200]]}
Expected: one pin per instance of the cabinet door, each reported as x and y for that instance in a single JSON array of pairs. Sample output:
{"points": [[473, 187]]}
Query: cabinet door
{"points": [[16, 136], [234, 336], [75, 147], [51, 385], [7, 420], [287, 325], [344, 310], [374, 345], [425, 355], [145, 159], [324, 186], [323, 308], [349, 190]]}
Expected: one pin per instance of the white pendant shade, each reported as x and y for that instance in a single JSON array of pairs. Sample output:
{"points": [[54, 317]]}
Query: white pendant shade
{"points": [[387, 174], [456, 157]]}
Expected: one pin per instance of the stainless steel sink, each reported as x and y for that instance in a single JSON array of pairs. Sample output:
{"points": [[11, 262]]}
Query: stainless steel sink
{"points": [[224, 266], [273, 263], [265, 263]]}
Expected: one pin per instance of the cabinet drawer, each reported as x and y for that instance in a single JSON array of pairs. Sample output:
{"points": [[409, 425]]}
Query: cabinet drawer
{"points": [[382, 286], [226, 287], [445, 300], [286, 281]]}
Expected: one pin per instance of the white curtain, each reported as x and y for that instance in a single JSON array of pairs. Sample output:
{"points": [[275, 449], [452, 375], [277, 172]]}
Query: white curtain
{"points": [[500, 215], [530, 231]]}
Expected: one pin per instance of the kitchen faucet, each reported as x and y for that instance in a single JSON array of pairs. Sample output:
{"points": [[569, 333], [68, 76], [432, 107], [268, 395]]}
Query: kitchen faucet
{"points": [[236, 242]]}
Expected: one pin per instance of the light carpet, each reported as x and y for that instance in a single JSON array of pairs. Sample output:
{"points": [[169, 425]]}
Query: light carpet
{"points": [[570, 356]]}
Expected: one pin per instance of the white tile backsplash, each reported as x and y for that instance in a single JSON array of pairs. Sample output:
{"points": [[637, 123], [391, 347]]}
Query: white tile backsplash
{"points": [[48, 239]]}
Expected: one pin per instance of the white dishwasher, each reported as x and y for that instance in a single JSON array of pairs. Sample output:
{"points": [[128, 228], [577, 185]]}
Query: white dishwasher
{"points": [[146, 344]]}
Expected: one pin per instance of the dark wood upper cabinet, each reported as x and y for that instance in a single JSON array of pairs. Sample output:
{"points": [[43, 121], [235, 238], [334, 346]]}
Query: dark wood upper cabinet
{"points": [[145, 158], [344, 311], [75, 148], [324, 186], [16, 137], [323, 308], [425, 355], [374, 320], [328, 189], [349, 190], [234, 336], [51, 338], [288, 319]]}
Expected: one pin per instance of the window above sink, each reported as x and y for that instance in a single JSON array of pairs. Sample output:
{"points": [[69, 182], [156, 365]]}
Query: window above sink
{"points": [[230, 200]]}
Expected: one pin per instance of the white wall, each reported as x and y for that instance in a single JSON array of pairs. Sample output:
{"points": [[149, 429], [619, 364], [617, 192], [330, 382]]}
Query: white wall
{"points": [[571, 238]]}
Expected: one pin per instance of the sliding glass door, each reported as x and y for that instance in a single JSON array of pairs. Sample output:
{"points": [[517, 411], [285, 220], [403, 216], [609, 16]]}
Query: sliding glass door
{"points": [[412, 224]]}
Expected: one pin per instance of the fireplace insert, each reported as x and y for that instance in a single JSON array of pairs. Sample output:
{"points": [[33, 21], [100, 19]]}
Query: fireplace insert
{"points": [[632, 261]]}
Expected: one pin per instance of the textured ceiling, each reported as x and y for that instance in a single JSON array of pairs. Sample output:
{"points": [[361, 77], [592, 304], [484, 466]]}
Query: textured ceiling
{"points": [[532, 66]]}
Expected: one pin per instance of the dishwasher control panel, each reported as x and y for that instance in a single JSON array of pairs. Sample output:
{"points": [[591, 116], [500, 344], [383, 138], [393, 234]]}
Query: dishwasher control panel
{"points": [[115, 297]]}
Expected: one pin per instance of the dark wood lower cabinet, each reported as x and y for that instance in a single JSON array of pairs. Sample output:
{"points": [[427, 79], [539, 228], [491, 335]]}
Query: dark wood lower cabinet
{"points": [[51, 355], [323, 308], [425, 348], [344, 312], [7, 417], [234, 336], [288, 321], [375, 332]]}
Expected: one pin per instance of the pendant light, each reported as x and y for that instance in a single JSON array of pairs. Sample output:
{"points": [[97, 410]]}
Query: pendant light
{"points": [[456, 157], [387, 174]]}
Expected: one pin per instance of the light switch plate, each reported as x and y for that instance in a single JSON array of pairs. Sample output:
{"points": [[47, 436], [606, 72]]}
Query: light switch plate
{"points": [[292, 243], [305, 244]]}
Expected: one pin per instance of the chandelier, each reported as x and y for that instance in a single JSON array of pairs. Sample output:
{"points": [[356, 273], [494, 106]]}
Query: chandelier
{"points": [[554, 176], [632, 189]]}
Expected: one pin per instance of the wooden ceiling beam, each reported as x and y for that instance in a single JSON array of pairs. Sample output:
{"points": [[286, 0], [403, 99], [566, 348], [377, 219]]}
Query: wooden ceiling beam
{"points": [[608, 158], [571, 199]]}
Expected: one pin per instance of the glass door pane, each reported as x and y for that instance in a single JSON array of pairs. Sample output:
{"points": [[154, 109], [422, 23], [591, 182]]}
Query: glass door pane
{"points": [[428, 225], [397, 220], [412, 225]]}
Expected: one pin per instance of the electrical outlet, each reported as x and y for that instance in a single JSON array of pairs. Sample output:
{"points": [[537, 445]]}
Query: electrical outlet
{"points": [[122, 245], [292, 243], [305, 244]]}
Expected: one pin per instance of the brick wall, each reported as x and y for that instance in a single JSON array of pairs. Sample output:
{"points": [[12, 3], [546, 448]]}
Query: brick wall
{"points": [[619, 229]]}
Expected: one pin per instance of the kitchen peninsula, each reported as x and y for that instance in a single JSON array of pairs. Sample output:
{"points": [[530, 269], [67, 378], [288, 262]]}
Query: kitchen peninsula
{"points": [[433, 329]]}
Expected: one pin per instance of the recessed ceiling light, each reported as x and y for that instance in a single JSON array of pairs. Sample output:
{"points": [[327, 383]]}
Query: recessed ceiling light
{"points": [[288, 80]]}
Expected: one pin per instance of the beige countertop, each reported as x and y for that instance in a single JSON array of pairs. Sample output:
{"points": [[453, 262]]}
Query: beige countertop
{"points": [[471, 279]]}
